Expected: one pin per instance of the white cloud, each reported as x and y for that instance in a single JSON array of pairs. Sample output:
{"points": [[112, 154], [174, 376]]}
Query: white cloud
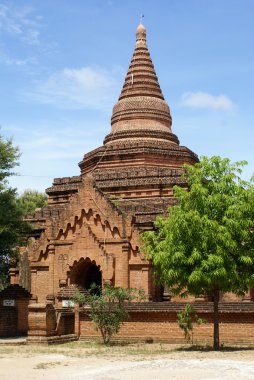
{"points": [[205, 100], [16, 61], [52, 148], [52, 141], [20, 22], [86, 87], [21, 26]]}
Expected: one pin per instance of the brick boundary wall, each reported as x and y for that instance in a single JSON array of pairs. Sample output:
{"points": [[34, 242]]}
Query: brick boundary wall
{"points": [[157, 322]]}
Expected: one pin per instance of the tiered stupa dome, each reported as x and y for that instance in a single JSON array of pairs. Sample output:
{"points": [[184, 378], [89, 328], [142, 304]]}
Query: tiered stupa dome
{"points": [[141, 111], [141, 159]]}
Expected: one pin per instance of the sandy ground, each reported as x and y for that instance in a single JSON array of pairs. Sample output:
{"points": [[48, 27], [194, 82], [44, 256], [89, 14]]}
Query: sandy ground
{"points": [[142, 362]]}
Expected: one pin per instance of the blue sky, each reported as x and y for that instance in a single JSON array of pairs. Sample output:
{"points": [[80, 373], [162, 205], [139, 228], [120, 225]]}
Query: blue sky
{"points": [[63, 62]]}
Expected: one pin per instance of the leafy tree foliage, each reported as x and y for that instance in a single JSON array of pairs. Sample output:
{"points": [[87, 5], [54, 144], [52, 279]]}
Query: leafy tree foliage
{"points": [[105, 306], [8, 159], [12, 227], [30, 200], [206, 245]]}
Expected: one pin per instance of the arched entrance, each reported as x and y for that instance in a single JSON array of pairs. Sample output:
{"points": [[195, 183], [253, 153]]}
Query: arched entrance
{"points": [[85, 273]]}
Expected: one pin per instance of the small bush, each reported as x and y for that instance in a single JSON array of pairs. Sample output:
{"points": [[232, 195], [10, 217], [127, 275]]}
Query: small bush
{"points": [[106, 307], [185, 321]]}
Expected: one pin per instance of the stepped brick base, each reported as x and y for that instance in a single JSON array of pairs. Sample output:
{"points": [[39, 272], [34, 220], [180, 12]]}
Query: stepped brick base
{"points": [[56, 339]]}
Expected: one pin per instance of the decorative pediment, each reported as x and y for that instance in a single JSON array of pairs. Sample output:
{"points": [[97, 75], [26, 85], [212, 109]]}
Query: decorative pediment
{"points": [[89, 214]]}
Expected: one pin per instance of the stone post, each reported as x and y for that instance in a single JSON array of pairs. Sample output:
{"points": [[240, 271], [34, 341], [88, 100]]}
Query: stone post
{"points": [[125, 265], [33, 281], [51, 254]]}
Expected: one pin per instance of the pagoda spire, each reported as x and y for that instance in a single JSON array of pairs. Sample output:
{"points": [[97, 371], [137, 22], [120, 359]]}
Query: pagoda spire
{"points": [[141, 106], [141, 78]]}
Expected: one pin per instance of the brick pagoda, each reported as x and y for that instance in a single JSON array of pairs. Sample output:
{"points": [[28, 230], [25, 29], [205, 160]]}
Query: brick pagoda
{"points": [[90, 229]]}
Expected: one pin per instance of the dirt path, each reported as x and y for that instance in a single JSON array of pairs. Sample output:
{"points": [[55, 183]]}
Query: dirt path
{"points": [[141, 362]]}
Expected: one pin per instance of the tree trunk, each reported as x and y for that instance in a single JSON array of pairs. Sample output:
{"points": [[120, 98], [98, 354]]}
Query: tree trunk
{"points": [[216, 333]]}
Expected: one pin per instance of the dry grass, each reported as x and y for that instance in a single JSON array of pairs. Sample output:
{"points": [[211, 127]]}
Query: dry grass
{"points": [[84, 349], [133, 351]]}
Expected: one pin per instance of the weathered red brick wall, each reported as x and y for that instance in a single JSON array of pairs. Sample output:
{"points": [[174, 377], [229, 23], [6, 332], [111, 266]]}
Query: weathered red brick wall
{"points": [[8, 321], [22, 322], [235, 327], [14, 319], [46, 321], [41, 320]]}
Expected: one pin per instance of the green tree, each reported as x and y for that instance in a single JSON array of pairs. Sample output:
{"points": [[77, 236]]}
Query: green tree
{"points": [[12, 227], [30, 200], [106, 307], [206, 245], [9, 156]]}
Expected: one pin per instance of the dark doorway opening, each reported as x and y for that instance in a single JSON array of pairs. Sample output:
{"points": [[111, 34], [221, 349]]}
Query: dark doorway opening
{"points": [[85, 273], [93, 276]]}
